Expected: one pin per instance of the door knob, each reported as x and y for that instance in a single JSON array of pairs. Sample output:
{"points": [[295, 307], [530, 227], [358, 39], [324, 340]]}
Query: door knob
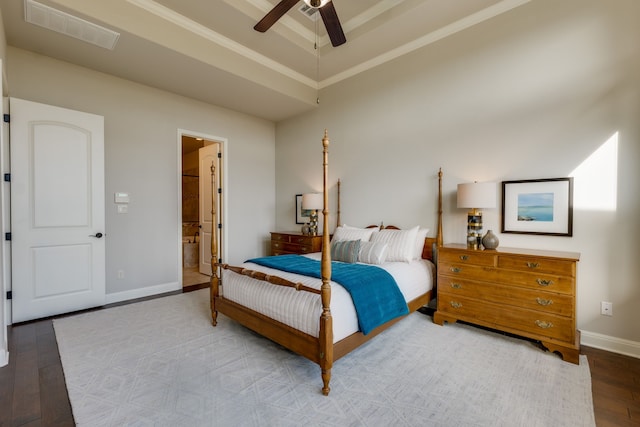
{"points": [[97, 235]]}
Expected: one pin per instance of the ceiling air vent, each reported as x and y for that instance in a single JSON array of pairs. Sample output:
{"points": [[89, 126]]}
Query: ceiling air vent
{"points": [[61, 22], [309, 12]]}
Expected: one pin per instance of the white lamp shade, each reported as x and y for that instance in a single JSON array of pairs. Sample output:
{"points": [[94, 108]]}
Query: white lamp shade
{"points": [[312, 201], [477, 195]]}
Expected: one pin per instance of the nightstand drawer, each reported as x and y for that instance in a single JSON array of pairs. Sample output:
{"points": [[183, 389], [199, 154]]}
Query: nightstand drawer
{"points": [[537, 265], [291, 247], [548, 302], [294, 243], [278, 237]]}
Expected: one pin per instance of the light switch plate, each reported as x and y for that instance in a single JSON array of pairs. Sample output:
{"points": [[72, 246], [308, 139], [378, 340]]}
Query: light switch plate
{"points": [[121, 197]]}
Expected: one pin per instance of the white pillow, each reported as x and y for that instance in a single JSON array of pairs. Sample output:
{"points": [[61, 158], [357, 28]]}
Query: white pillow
{"points": [[352, 233], [373, 252], [422, 234], [402, 243]]}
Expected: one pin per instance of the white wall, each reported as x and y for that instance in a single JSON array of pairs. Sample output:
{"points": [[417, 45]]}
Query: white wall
{"points": [[141, 140], [531, 94]]}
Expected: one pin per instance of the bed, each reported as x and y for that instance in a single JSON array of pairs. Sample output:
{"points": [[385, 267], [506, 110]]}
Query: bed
{"points": [[315, 316]]}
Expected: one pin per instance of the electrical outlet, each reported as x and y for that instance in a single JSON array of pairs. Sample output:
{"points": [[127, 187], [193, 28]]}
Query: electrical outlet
{"points": [[120, 274], [606, 308]]}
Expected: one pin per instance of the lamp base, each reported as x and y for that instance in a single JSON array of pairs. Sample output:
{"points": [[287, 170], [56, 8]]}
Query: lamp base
{"points": [[474, 229], [313, 223]]}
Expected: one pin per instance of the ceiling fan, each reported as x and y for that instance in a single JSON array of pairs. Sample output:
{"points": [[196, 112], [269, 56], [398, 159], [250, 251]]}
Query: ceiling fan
{"points": [[327, 11]]}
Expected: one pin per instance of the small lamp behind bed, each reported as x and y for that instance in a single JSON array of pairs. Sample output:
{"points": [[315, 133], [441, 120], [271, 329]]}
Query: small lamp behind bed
{"points": [[313, 202]]}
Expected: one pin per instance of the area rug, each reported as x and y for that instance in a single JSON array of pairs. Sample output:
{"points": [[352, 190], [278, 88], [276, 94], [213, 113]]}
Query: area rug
{"points": [[162, 363]]}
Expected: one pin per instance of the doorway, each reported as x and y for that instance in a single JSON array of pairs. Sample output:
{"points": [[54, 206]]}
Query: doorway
{"points": [[201, 157]]}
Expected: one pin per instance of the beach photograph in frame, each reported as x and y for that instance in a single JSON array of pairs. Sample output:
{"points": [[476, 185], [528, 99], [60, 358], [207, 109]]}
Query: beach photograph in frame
{"points": [[538, 206]]}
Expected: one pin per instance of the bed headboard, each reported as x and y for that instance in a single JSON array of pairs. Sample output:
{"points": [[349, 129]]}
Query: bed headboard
{"points": [[430, 243]]}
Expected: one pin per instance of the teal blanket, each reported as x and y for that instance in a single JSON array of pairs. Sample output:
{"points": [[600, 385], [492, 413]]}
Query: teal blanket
{"points": [[374, 291]]}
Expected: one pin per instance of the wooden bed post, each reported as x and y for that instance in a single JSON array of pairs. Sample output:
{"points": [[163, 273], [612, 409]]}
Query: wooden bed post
{"points": [[214, 290], [326, 321], [439, 232], [338, 207]]}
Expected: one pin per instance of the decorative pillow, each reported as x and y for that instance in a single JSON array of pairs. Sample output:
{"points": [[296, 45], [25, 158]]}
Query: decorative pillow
{"points": [[373, 253], [402, 243], [345, 250], [352, 233], [422, 234]]}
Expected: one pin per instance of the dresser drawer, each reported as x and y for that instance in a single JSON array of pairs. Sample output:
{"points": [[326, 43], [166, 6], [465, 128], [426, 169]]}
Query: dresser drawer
{"points": [[537, 265], [294, 243], [291, 247], [547, 282], [277, 237], [554, 303], [468, 257], [536, 323]]}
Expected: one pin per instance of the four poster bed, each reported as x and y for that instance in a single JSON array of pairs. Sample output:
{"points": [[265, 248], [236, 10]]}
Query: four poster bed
{"points": [[315, 316]]}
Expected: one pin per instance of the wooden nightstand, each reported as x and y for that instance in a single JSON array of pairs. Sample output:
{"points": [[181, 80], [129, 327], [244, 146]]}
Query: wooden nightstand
{"points": [[294, 242], [531, 293]]}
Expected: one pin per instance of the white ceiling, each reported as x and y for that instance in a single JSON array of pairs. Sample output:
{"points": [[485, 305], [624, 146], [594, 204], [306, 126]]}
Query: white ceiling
{"points": [[208, 50]]}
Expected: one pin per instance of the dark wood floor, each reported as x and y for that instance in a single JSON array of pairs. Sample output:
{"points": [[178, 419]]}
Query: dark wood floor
{"points": [[33, 391]]}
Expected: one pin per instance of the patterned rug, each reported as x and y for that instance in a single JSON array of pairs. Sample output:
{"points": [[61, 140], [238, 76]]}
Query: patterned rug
{"points": [[161, 363]]}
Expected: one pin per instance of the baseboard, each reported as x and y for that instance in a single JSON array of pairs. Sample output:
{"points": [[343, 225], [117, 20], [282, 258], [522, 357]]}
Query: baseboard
{"points": [[4, 358], [142, 292], [612, 344]]}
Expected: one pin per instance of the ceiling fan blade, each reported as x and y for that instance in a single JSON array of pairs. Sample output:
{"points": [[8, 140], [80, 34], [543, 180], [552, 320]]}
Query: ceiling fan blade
{"points": [[332, 23], [274, 14]]}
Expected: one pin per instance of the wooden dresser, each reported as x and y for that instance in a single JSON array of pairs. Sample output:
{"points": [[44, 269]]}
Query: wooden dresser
{"points": [[531, 293], [292, 242]]}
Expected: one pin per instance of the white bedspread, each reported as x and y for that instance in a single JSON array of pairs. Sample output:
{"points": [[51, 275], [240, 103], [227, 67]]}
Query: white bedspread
{"points": [[301, 310]]}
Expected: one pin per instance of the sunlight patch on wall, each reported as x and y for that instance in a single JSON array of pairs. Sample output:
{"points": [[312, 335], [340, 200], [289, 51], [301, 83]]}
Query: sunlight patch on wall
{"points": [[596, 179]]}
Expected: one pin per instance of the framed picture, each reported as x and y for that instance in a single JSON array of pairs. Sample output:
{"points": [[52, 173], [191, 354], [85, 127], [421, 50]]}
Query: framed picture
{"points": [[302, 215], [538, 206]]}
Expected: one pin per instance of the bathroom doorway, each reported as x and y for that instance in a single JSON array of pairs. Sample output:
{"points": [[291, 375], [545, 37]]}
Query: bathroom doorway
{"points": [[198, 156]]}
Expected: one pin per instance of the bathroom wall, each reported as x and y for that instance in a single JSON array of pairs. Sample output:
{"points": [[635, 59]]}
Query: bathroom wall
{"points": [[190, 195]]}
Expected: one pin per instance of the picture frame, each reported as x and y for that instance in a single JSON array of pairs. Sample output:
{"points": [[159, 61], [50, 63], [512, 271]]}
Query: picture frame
{"points": [[538, 206], [302, 215]]}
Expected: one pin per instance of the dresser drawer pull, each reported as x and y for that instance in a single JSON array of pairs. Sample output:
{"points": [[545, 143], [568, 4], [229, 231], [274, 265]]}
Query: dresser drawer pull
{"points": [[276, 245], [455, 269], [455, 304], [464, 257], [298, 240], [544, 302], [533, 264], [544, 325], [544, 282], [456, 286]]}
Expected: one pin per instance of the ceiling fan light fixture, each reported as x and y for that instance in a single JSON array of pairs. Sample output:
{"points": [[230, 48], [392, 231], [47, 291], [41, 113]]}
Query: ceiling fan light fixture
{"points": [[316, 4]]}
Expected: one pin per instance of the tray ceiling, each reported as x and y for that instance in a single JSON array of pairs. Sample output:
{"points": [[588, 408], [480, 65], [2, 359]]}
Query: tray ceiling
{"points": [[208, 50]]}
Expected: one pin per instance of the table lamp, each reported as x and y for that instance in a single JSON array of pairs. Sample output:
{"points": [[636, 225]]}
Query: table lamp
{"points": [[476, 196], [313, 202]]}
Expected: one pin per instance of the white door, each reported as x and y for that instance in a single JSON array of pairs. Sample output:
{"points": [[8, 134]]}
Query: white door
{"points": [[208, 161], [57, 210]]}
